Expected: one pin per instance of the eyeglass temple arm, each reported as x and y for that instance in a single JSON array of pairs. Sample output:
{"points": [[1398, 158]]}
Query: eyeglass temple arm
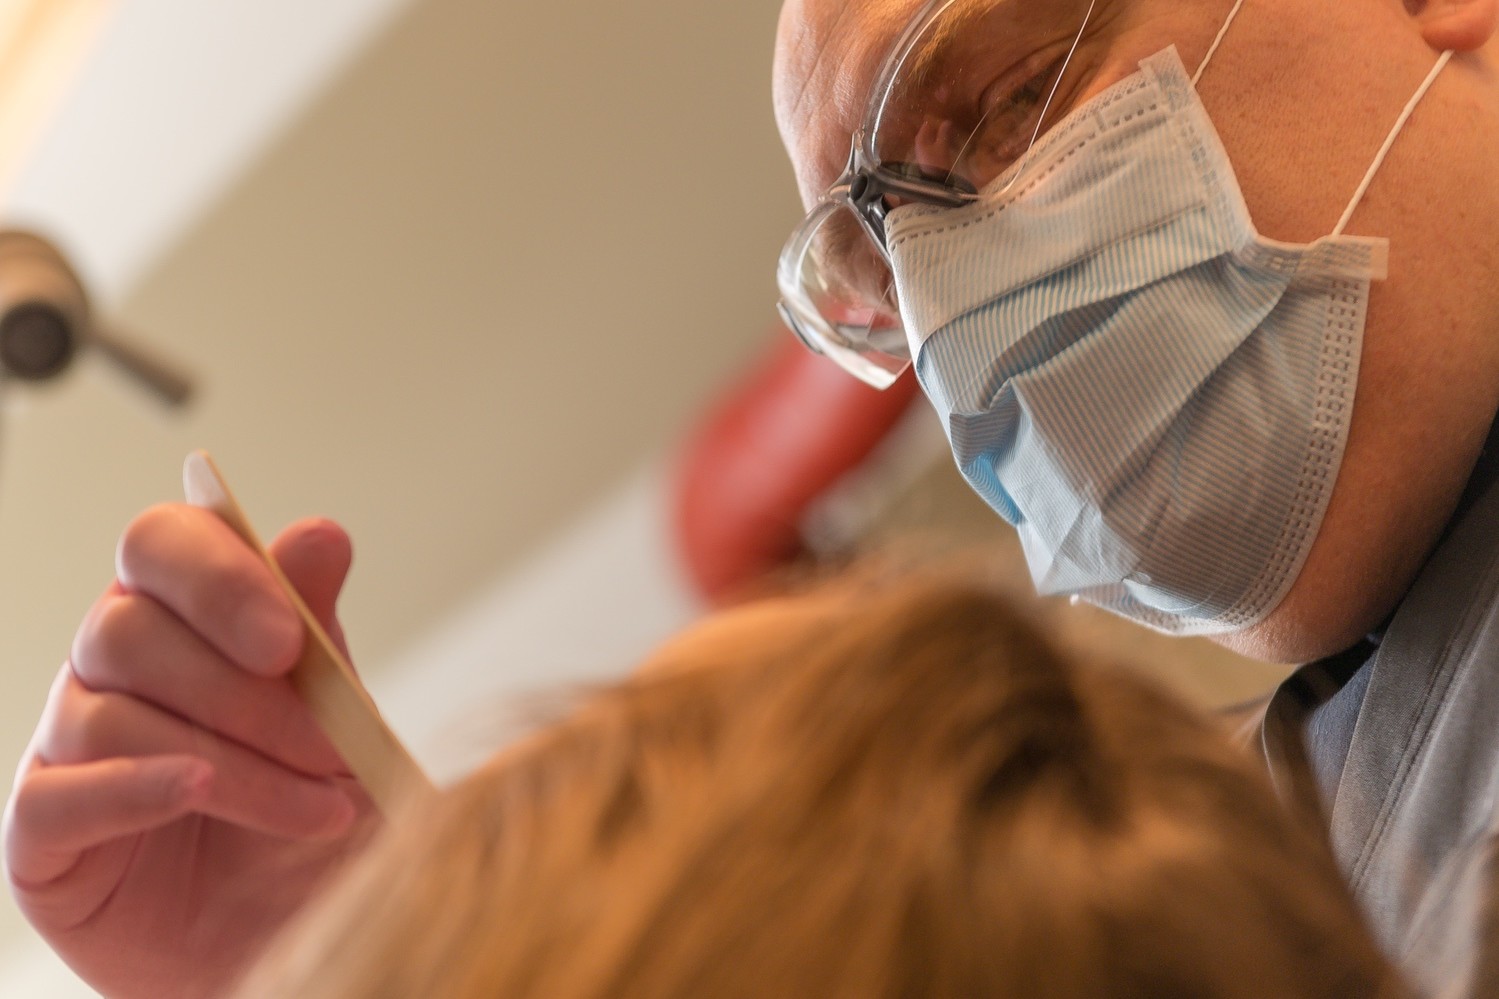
{"points": [[869, 191]]}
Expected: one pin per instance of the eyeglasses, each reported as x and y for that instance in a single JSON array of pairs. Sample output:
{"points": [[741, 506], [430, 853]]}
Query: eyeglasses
{"points": [[960, 100]]}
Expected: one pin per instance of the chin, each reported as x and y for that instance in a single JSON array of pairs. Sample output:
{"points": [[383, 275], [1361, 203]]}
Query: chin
{"points": [[1274, 645], [1301, 630]]}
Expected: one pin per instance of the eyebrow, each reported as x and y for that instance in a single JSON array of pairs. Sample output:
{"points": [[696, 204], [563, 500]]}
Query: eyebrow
{"points": [[954, 21], [934, 48], [953, 25]]}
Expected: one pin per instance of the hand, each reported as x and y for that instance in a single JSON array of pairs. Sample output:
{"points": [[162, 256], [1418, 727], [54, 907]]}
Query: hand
{"points": [[178, 802]]}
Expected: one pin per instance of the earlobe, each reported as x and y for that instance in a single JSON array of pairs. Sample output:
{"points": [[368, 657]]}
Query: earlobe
{"points": [[1461, 25]]}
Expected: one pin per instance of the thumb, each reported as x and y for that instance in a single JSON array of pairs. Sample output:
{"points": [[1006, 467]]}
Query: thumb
{"points": [[315, 554]]}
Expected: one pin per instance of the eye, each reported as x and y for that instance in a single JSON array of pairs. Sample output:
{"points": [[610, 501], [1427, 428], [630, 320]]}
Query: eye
{"points": [[1000, 103], [969, 111], [1007, 118]]}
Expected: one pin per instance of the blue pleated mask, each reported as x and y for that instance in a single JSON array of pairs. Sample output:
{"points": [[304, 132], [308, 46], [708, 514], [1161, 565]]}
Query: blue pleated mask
{"points": [[1153, 394]]}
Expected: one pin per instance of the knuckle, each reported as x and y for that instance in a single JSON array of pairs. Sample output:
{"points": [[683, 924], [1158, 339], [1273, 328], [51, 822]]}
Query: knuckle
{"points": [[21, 810], [143, 536], [187, 560], [89, 728], [227, 586], [111, 641]]}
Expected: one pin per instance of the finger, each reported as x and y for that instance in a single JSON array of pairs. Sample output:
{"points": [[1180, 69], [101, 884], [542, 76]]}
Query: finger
{"points": [[130, 644], [58, 812], [249, 790], [195, 565], [315, 554]]}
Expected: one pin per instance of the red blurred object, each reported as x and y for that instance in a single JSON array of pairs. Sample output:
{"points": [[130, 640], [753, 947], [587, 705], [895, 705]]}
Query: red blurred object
{"points": [[771, 445]]}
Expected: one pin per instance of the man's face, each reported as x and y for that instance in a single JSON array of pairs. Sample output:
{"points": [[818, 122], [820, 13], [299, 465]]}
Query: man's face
{"points": [[973, 90], [962, 106], [1301, 112]]}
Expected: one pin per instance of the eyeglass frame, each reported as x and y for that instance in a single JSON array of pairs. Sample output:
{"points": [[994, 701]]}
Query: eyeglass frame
{"points": [[863, 189]]}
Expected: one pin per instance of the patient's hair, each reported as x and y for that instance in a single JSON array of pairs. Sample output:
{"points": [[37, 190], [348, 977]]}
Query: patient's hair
{"points": [[918, 797]]}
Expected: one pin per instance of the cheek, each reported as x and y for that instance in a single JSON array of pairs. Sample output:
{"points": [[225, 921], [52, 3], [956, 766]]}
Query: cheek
{"points": [[1295, 176], [1303, 115], [1429, 374]]}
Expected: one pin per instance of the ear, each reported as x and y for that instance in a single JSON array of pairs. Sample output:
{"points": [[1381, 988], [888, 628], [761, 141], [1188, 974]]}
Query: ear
{"points": [[1461, 25]]}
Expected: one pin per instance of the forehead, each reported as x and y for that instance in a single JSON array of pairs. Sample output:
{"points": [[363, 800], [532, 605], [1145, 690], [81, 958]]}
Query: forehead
{"points": [[830, 53], [827, 55]]}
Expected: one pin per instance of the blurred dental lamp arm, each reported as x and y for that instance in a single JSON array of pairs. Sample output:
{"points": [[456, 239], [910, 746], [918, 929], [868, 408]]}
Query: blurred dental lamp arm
{"points": [[166, 380], [45, 320]]}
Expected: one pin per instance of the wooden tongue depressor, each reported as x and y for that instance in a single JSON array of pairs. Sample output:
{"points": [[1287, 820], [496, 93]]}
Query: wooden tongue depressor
{"points": [[323, 677]]}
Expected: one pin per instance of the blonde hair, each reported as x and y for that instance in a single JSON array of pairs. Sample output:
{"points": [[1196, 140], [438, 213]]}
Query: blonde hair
{"points": [[920, 797]]}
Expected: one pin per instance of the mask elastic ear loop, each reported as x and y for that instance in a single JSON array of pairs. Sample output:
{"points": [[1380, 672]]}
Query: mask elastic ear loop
{"points": [[1384, 150], [1216, 42], [1015, 175]]}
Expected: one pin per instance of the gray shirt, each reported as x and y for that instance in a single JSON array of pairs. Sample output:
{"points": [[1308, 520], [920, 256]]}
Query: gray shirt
{"points": [[1398, 738]]}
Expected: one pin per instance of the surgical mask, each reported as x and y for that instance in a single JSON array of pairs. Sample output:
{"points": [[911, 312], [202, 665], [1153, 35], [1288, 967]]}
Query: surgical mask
{"points": [[1155, 396]]}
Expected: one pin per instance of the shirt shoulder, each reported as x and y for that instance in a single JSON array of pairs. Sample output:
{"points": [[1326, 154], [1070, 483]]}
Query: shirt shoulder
{"points": [[1399, 744]]}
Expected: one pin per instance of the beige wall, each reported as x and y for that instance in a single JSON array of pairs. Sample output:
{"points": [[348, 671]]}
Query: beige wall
{"points": [[503, 259]]}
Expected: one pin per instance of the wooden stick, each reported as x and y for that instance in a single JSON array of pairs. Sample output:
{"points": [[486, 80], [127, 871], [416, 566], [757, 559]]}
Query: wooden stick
{"points": [[323, 677]]}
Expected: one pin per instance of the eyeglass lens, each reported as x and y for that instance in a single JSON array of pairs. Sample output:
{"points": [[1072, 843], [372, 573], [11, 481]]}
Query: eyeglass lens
{"points": [[962, 105], [968, 96]]}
